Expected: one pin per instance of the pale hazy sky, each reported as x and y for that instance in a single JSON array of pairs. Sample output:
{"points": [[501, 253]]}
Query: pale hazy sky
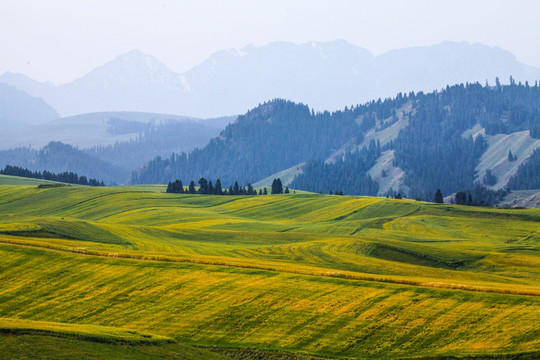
{"points": [[60, 40]]}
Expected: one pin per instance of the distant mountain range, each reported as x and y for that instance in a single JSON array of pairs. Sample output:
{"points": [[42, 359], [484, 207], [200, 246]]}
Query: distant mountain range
{"points": [[327, 75], [18, 109], [121, 141]]}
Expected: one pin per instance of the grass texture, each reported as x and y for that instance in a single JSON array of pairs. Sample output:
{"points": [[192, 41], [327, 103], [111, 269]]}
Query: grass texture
{"points": [[291, 276]]}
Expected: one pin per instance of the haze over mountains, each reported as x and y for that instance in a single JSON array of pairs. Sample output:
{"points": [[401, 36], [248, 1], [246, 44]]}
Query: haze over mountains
{"points": [[18, 109], [324, 75]]}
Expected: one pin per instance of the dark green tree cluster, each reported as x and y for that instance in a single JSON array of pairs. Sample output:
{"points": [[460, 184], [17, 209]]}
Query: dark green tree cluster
{"points": [[277, 186], [489, 178], [510, 108], [527, 175], [438, 197], [274, 136], [208, 188], [349, 175], [479, 196], [66, 177], [59, 158], [175, 187], [431, 149]]}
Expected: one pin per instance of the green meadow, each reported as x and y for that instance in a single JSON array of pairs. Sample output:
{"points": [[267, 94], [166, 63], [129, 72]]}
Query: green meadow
{"points": [[134, 273]]}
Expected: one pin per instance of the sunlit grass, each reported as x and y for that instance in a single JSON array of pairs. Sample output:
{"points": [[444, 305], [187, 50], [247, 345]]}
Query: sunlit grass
{"points": [[318, 274]]}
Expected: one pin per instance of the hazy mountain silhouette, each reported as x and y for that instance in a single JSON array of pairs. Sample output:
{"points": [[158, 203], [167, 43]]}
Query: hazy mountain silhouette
{"points": [[326, 75]]}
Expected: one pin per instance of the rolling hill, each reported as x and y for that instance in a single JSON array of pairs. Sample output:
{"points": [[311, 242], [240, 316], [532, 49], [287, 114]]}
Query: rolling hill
{"points": [[273, 277], [25, 339], [57, 157]]}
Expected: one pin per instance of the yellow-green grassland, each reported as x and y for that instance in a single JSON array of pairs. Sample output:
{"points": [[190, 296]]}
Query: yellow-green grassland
{"points": [[134, 273]]}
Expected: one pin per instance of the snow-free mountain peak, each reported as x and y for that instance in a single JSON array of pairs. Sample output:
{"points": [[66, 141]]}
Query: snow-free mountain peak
{"points": [[135, 68], [326, 75]]}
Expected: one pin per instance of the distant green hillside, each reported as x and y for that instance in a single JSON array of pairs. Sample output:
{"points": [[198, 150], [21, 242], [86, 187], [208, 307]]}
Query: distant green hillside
{"points": [[15, 180], [412, 143], [268, 277], [58, 157], [272, 137], [126, 140]]}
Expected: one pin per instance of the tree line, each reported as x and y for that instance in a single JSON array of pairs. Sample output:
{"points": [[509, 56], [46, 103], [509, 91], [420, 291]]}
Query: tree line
{"points": [[479, 196], [527, 175], [208, 188], [66, 177]]}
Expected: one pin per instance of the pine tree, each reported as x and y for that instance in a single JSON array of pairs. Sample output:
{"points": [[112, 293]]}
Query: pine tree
{"points": [[203, 186], [217, 189], [191, 189], [489, 178], [461, 198], [438, 197], [277, 186], [179, 187]]}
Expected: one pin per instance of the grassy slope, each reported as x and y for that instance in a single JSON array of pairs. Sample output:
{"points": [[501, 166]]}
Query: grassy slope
{"points": [[16, 180], [24, 339], [323, 275]]}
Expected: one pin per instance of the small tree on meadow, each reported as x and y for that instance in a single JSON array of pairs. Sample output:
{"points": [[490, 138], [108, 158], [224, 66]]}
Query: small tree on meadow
{"points": [[439, 197], [277, 186], [191, 188], [217, 188]]}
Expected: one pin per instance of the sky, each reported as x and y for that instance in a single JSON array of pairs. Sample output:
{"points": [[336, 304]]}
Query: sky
{"points": [[61, 40]]}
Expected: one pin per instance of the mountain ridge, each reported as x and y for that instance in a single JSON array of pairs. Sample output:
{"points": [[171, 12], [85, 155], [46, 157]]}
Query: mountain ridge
{"points": [[18, 109], [326, 75]]}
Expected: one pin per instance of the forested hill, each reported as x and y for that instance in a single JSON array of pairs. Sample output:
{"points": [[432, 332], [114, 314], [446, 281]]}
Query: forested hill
{"points": [[414, 143], [58, 157], [269, 138]]}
